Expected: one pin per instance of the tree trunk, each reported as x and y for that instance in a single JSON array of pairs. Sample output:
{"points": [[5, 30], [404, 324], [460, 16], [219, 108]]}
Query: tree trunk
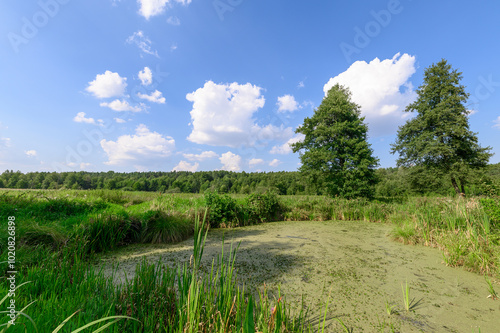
{"points": [[455, 185], [462, 187]]}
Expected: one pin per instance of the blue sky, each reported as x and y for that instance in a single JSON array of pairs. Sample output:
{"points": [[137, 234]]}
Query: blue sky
{"points": [[161, 85]]}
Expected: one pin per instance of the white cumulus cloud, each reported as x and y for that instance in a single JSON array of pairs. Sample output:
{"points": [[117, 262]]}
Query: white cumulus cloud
{"points": [[186, 166], [81, 118], [149, 8], [230, 161], [285, 148], [146, 76], [144, 148], [255, 161], [154, 97], [287, 103], [382, 89], [107, 85], [222, 115], [143, 43], [122, 105], [201, 157]]}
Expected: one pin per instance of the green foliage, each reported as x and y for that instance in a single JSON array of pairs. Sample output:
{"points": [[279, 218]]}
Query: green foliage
{"points": [[335, 153], [222, 209], [415, 180], [492, 209], [263, 207], [438, 137]]}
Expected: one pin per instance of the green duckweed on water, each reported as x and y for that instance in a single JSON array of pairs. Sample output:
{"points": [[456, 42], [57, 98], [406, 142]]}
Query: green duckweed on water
{"points": [[354, 265]]}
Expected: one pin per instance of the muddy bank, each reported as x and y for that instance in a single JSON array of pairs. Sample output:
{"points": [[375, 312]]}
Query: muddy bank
{"points": [[355, 263]]}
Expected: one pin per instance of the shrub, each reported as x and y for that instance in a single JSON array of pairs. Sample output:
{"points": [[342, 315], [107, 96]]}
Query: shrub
{"points": [[263, 207], [222, 209]]}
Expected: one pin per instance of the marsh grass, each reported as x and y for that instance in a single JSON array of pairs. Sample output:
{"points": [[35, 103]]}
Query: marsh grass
{"points": [[493, 294], [62, 230], [406, 296], [165, 227], [409, 303], [189, 298], [389, 309]]}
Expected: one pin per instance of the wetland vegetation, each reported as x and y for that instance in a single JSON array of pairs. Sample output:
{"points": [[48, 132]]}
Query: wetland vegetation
{"points": [[65, 239]]}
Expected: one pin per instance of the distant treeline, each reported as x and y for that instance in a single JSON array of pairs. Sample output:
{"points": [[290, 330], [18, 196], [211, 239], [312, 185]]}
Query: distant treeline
{"points": [[392, 181]]}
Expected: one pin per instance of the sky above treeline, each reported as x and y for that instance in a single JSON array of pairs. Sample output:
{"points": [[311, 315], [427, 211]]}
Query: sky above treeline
{"points": [[192, 85]]}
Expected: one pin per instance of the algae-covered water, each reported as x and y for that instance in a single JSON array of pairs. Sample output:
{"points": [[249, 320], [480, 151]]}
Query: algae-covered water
{"points": [[354, 264]]}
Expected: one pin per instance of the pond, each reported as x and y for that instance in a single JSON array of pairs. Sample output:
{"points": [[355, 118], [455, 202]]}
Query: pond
{"points": [[353, 264]]}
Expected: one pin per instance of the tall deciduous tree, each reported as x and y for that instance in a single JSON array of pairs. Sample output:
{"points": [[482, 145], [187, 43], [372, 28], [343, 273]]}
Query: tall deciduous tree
{"points": [[335, 153], [438, 137]]}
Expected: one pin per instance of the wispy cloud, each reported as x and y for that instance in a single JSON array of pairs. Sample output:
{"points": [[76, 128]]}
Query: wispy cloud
{"points": [[274, 163], [143, 43], [285, 148], [31, 153], [255, 161], [201, 157], [174, 20], [496, 123], [154, 97], [122, 105]]}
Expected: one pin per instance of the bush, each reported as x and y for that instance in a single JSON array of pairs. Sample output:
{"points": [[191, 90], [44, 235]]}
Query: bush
{"points": [[263, 207], [222, 209]]}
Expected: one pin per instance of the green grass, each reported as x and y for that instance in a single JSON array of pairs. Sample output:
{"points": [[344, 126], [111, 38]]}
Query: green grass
{"points": [[493, 294], [68, 290], [406, 296], [58, 233]]}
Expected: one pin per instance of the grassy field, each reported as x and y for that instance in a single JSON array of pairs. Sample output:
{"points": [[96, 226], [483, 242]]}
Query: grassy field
{"points": [[58, 234]]}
